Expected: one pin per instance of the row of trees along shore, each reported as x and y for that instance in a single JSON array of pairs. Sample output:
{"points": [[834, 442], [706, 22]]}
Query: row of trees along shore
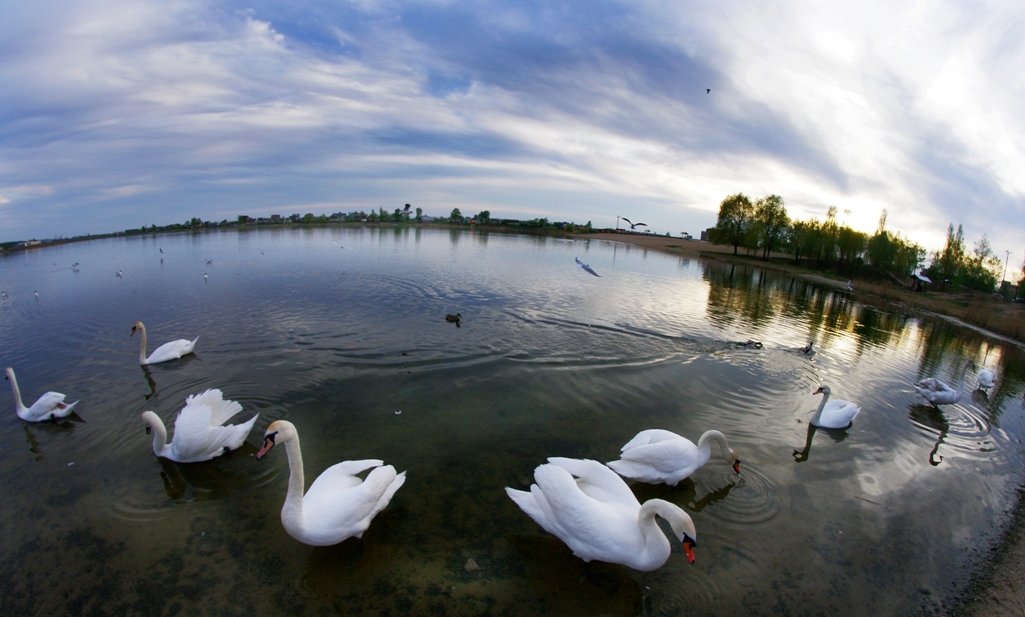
{"points": [[762, 227]]}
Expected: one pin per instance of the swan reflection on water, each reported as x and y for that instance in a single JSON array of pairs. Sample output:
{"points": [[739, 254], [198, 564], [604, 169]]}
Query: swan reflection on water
{"points": [[932, 419], [836, 434]]}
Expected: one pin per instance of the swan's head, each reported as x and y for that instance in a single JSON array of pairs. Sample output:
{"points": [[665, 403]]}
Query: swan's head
{"points": [[683, 528], [823, 390], [277, 432], [137, 326], [733, 460], [150, 419]]}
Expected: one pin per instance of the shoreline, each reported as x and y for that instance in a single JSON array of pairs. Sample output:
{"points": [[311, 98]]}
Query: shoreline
{"points": [[998, 587]]}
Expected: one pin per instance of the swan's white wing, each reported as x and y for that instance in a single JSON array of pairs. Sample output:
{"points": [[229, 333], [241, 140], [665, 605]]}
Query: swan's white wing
{"points": [[221, 410], [333, 507], [666, 456], [49, 405], [596, 481], [196, 439], [651, 435], [171, 351], [591, 528], [341, 476]]}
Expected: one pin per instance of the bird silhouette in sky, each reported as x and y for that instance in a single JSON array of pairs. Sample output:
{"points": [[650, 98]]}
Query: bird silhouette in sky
{"points": [[707, 90], [632, 224], [586, 268]]}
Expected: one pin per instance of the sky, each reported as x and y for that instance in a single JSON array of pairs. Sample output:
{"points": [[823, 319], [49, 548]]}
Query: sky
{"points": [[116, 114]]}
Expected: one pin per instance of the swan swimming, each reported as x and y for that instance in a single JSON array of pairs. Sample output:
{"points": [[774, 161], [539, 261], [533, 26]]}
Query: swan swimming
{"points": [[837, 413], [168, 351], [49, 406], [986, 378], [659, 456], [938, 392], [590, 508], [339, 504], [199, 430]]}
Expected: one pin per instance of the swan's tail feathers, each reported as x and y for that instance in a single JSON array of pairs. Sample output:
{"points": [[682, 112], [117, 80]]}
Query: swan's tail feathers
{"points": [[629, 469], [530, 502], [239, 432]]}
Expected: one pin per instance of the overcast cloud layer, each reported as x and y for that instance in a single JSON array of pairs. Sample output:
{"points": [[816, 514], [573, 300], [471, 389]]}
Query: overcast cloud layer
{"points": [[116, 113]]}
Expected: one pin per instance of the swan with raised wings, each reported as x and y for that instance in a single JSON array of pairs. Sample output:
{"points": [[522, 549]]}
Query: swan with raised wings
{"points": [[168, 351], [199, 430], [659, 456], [49, 406], [339, 504], [590, 508], [837, 413], [938, 392]]}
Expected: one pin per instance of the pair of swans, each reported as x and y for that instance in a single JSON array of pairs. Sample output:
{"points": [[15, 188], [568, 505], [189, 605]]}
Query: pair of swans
{"points": [[589, 506], [168, 351], [938, 392], [339, 504], [49, 406]]}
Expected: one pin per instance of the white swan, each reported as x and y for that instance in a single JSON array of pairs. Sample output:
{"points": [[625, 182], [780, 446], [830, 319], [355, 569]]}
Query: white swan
{"points": [[50, 406], [598, 517], [198, 431], [168, 351], [938, 392], [834, 414], [659, 456], [338, 505], [986, 378]]}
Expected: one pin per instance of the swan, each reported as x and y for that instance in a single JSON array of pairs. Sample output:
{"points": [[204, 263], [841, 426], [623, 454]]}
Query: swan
{"points": [[938, 392], [834, 414], [986, 378], [590, 508], [168, 351], [659, 456], [50, 406], [199, 431], [338, 505]]}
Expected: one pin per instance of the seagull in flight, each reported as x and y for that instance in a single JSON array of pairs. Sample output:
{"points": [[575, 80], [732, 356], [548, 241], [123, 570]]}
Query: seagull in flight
{"points": [[707, 90], [585, 267], [632, 224]]}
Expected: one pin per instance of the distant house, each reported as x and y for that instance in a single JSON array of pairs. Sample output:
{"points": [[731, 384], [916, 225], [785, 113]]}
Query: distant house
{"points": [[919, 281]]}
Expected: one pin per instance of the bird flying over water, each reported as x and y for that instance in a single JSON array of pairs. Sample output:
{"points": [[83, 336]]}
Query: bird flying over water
{"points": [[707, 90], [585, 267], [632, 224]]}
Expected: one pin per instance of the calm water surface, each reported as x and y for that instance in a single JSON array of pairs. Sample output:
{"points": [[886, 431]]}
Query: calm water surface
{"points": [[342, 332]]}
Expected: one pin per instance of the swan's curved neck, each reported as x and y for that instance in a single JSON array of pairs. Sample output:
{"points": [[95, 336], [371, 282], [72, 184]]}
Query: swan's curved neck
{"points": [[17, 393], [142, 344], [156, 426], [705, 442], [822, 405], [293, 507], [654, 539]]}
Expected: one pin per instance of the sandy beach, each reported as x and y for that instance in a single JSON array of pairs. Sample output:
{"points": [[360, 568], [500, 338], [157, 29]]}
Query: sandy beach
{"points": [[999, 587]]}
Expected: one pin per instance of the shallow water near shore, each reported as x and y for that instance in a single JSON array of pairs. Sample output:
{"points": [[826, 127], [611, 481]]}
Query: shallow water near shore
{"points": [[342, 331]]}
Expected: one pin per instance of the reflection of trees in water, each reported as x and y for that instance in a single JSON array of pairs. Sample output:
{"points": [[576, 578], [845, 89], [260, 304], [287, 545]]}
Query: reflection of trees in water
{"points": [[750, 296]]}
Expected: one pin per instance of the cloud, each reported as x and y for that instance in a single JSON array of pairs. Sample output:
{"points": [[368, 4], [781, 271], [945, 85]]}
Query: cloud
{"points": [[131, 111]]}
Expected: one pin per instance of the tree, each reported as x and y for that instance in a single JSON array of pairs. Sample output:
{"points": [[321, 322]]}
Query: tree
{"points": [[772, 219], [419, 214], [483, 217], [946, 263], [735, 216], [456, 216]]}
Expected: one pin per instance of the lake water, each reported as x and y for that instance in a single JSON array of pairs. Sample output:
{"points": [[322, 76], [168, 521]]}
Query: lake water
{"points": [[340, 329]]}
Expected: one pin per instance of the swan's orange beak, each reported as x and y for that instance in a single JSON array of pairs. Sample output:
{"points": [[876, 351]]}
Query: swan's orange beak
{"points": [[268, 443], [736, 466], [688, 549]]}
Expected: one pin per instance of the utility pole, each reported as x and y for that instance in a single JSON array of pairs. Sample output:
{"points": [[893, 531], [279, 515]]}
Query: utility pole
{"points": [[1004, 278]]}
